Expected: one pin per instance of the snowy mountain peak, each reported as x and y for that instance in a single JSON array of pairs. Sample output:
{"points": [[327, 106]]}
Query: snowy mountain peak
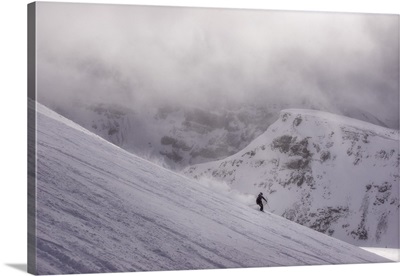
{"points": [[331, 173], [297, 116]]}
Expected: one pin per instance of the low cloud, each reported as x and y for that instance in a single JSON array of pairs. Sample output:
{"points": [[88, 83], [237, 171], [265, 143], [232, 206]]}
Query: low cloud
{"points": [[138, 55]]}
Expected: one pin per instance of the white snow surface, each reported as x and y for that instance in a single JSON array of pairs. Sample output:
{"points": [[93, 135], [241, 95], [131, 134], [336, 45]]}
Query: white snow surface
{"points": [[102, 209], [332, 173], [388, 253]]}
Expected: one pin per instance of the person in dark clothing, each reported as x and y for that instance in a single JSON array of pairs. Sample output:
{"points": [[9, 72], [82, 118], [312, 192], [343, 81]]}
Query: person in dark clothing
{"points": [[259, 199]]}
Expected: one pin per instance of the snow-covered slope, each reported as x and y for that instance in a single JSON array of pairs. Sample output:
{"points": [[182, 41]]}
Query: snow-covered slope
{"points": [[102, 209], [334, 174]]}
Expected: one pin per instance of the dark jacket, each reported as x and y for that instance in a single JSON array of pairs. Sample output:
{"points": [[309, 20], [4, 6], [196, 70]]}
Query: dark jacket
{"points": [[259, 199]]}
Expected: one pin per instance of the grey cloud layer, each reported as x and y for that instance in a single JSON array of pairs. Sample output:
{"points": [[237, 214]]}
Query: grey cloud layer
{"points": [[136, 54]]}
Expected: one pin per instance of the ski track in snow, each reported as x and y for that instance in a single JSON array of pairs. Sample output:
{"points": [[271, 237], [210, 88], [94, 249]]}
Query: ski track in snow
{"points": [[102, 209]]}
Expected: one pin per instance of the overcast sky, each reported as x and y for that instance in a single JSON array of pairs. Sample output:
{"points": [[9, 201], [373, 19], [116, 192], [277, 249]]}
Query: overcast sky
{"points": [[140, 55]]}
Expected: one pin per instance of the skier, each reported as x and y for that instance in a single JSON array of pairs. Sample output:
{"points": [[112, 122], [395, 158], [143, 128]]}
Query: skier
{"points": [[259, 201]]}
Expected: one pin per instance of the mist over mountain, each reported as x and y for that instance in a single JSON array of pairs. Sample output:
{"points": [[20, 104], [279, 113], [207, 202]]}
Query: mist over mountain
{"points": [[182, 86], [138, 56]]}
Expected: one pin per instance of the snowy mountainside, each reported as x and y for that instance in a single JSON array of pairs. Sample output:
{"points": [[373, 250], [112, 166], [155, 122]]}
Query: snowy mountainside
{"points": [[102, 209], [171, 136], [331, 173], [176, 136]]}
